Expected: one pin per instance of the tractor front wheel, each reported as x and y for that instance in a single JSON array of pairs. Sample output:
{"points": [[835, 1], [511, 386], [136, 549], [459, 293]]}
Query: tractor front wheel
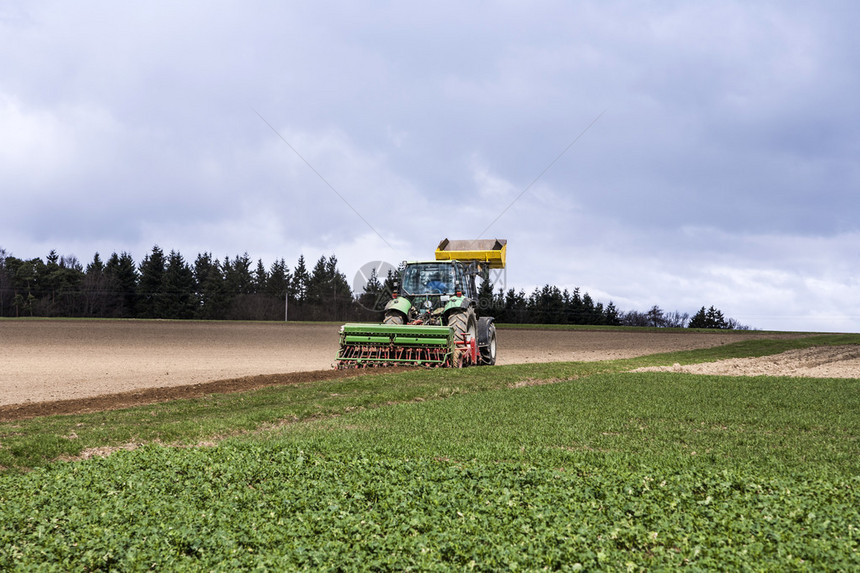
{"points": [[393, 317]]}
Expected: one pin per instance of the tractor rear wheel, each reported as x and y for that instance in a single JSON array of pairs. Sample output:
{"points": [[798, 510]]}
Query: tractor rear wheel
{"points": [[488, 352], [463, 321]]}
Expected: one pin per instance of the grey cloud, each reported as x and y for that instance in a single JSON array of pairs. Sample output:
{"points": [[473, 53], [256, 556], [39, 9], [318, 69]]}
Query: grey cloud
{"points": [[130, 125]]}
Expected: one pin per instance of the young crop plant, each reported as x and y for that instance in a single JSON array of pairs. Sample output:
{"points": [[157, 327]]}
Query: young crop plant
{"points": [[568, 466], [264, 505]]}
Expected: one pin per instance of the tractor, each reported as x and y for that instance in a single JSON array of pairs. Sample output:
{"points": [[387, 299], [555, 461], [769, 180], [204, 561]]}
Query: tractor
{"points": [[431, 319]]}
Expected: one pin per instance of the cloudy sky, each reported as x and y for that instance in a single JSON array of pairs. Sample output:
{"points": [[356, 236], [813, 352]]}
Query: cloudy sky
{"points": [[672, 153]]}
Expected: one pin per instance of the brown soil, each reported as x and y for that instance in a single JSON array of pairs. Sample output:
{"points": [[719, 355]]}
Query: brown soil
{"points": [[115, 401], [817, 362], [56, 366]]}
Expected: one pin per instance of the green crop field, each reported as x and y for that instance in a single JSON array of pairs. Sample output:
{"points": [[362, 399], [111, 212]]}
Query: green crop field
{"points": [[569, 466]]}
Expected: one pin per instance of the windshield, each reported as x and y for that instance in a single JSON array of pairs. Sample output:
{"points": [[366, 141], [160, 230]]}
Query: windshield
{"points": [[428, 278]]}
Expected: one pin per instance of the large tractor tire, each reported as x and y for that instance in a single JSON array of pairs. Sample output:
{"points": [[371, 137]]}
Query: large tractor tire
{"points": [[487, 341], [394, 317], [461, 321]]}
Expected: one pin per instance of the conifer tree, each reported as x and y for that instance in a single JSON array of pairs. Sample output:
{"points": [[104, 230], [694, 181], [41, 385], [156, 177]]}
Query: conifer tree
{"points": [[711, 318], [237, 275], [151, 284], [177, 300], [6, 290], [317, 282], [260, 278], [94, 288], [301, 278], [278, 279], [485, 294], [372, 297], [341, 293], [391, 283], [122, 285], [611, 314], [209, 288]]}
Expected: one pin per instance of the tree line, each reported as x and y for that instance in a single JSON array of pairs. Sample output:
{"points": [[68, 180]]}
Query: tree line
{"points": [[550, 305], [166, 285]]}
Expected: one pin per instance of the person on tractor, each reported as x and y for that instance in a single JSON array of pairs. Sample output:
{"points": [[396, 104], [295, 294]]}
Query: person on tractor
{"points": [[436, 285]]}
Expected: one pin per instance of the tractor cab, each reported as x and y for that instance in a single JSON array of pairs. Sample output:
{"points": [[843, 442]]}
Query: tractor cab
{"points": [[430, 291], [435, 278], [430, 287]]}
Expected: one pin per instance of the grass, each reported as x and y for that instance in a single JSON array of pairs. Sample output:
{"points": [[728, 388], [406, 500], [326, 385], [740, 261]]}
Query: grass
{"points": [[631, 420], [31, 443], [568, 466]]}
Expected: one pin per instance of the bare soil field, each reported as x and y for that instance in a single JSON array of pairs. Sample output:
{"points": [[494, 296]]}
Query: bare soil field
{"points": [[60, 366], [816, 362]]}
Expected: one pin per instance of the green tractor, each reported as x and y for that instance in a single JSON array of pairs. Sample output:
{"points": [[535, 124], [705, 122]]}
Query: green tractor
{"points": [[431, 319]]}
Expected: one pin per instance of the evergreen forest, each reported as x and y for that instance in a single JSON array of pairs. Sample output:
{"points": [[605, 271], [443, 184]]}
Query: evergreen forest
{"points": [[169, 286]]}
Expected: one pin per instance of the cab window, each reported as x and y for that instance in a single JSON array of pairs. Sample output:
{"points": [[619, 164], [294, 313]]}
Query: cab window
{"points": [[429, 278]]}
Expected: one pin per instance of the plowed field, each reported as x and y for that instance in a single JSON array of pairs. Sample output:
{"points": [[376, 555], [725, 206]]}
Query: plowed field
{"points": [[53, 366]]}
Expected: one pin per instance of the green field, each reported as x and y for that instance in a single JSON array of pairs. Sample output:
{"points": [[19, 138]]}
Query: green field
{"points": [[571, 466]]}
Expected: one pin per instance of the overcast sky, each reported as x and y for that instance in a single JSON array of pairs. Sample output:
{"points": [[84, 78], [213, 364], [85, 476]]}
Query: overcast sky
{"points": [[672, 153]]}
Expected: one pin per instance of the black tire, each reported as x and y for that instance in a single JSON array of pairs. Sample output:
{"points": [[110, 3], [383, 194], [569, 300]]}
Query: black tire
{"points": [[488, 352], [463, 320], [393, 317]]}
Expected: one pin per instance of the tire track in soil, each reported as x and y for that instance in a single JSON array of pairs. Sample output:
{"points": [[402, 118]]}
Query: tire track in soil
{"points": [[104, 402]]}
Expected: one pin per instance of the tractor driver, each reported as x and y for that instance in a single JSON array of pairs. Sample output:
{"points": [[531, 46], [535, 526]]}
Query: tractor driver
{"points": [[436, 285]]}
